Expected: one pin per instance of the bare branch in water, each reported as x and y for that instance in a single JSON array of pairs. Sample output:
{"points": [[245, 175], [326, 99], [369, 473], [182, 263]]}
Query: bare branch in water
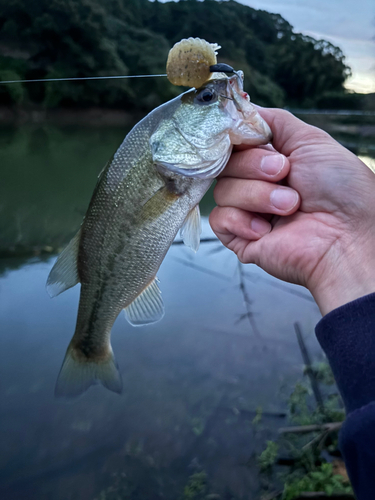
{"points": [[281, 286], [217, 249], [201, 269], [301, 429], [249, 314]]}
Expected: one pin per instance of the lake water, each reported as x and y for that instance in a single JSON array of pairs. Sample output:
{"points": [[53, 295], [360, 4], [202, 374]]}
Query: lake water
{"points": [[192, 382]]}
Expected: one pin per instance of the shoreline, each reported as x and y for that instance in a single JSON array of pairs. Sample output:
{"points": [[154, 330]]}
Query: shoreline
{"points": [[99, 117], [95, 116]]}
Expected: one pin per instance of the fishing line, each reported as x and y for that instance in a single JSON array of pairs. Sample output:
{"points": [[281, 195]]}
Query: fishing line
{"points": [[225, 68], [81, 78]]}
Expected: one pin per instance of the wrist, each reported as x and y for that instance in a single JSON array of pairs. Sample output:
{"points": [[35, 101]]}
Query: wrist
{"points": [[347, 279]]}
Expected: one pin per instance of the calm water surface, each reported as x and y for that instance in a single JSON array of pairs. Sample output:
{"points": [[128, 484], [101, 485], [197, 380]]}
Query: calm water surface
{"points": [[192, 382]]}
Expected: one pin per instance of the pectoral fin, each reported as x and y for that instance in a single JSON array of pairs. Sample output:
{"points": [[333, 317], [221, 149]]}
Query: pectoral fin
{"points": [[147, 308], [64, 273], [191, 229]]}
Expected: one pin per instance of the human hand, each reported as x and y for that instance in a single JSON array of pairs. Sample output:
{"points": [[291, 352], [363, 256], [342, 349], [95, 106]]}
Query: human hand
{"points": [[317, 229]]}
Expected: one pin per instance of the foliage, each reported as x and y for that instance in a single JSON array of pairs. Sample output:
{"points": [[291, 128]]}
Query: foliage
{"points": [[268, 456], [323, 373], [302, 413], [369, 102], [197, 488], [55, 38], [310, 471], [298, 408], [322, 479], [120, 489], [340, 100], [258, 416], [197, 425], [13, 93]]}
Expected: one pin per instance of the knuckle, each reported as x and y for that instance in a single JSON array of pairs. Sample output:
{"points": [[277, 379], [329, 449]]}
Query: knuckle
{"points": [[245, 160], [285, 114]]}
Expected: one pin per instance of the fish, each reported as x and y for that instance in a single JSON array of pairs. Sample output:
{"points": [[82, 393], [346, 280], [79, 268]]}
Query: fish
{"points": [[149, 190]]}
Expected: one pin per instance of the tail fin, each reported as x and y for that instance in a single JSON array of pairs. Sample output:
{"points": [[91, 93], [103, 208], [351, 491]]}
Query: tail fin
{"points": [[77, 374]]}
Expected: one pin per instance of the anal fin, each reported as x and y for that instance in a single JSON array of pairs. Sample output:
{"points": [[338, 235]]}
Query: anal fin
{"points": [[191, 229], [64, 273], [147, 308]]}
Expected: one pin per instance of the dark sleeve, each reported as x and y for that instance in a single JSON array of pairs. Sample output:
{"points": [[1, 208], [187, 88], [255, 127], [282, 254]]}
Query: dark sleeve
{"points": [[347, 336]]}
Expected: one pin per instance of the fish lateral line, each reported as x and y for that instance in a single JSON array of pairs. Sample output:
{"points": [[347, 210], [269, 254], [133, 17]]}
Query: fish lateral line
{"points": [[85, 351]]}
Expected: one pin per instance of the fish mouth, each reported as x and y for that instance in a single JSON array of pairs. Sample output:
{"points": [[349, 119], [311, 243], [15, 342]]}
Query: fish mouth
{"points": [[248, 126]]}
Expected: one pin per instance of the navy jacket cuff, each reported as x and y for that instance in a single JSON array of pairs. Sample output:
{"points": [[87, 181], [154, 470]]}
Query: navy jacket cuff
{"points": [[347, 336]]}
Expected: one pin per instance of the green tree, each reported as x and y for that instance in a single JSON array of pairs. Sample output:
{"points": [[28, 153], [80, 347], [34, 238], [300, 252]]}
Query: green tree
{"points": [[58, 38]]}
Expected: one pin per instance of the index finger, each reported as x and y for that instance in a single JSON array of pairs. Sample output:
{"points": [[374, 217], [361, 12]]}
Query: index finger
{"points": [[256, 163]]}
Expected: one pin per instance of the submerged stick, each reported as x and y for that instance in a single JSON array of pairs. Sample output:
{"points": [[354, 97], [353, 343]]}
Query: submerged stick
{"points": [[299, 429], [280, 286], [249, 314], [201, 268]]}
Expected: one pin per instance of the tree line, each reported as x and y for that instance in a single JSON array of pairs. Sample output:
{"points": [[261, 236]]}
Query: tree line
{"points": [[79, 38]]}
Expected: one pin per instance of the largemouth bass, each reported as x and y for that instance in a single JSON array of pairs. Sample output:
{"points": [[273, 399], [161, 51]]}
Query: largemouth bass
{"points": [[149, 190]]}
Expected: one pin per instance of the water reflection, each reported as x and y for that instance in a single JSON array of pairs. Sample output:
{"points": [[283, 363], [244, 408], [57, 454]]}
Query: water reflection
{"points": [[192, 382], [48, 175]]}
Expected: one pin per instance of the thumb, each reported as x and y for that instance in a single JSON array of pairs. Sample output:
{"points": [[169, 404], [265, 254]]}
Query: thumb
{"points": [[289, 132]]}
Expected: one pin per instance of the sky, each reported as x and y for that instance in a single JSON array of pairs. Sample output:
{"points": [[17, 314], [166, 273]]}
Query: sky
{"points": [[349, 24]]}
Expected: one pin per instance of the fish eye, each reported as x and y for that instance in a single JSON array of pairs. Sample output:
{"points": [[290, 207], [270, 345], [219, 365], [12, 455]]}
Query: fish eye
{"points": [[206, 96]]}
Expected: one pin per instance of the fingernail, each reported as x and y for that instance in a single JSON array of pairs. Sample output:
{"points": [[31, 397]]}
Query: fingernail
{"points": [[284, 199], [260, 226], [272, 164]]}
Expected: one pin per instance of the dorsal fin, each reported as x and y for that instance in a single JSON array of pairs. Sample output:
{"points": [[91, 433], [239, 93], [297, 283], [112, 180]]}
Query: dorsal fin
{"points": [[64, 273], [147, 308]]}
